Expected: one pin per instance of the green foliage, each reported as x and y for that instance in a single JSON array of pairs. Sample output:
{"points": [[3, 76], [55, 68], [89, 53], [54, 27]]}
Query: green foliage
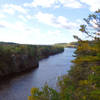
{"points": [[84, 75], [47, 93], [19, 57], [14, 57], [83, 80], [45, 51]]}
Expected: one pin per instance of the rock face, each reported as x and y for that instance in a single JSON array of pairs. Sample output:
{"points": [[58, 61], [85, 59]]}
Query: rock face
{"points": [[15, 58], [23, 62], [18, 64]]}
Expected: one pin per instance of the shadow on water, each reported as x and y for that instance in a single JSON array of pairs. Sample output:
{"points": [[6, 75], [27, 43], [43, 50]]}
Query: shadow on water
{"points": [[8, 79], [18, 87]]}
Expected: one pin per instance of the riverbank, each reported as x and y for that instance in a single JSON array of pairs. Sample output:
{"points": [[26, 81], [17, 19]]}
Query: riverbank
{"points": [[19, 87], [18, 58]]}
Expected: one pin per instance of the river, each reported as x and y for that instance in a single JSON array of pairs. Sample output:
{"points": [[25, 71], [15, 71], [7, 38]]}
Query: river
{"points": [[18, 88]]}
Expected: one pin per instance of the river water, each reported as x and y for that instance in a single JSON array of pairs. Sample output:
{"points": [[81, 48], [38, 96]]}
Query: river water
{"points": [[18, 88]]}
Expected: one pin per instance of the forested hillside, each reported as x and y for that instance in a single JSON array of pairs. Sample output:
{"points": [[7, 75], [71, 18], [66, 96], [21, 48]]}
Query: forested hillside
{"points": [[83, 80], [15, 58]]}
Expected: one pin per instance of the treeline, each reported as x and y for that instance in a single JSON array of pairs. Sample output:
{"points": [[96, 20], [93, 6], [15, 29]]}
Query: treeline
{"points": [[83, 80], [67, 45], [45, 51], [15, 58]]}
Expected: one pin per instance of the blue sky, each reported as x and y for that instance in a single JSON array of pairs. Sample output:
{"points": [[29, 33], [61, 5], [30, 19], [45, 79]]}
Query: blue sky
{"points": [[43, 21]]}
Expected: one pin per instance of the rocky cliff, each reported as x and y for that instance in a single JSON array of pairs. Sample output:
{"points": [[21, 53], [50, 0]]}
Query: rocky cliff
{"points": [[16, 58]]}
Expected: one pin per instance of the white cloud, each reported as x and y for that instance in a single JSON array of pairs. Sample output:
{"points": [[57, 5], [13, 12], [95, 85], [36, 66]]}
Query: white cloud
{"points": [[8, 10], [22, 18], [25, 18], [2, 16], [54, 3], [93, 4], [45, 18], [29, 17], [18, 25], [42, 3], [18, 32], [59, 22], [71, 3], [4, 23], [64, 22], [11, 9], [22, 33], [21, 36], [95, 25], [54, 36]]}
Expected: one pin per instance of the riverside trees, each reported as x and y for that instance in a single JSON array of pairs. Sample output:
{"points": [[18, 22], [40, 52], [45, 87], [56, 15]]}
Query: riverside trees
{"points": [[15, 58], [83, 80]]}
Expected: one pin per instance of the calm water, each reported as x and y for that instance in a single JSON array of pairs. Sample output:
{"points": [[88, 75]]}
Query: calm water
{"points": [[18, 88]]}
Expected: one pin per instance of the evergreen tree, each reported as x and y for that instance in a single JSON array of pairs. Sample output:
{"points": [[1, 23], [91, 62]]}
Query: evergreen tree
{"points": [[83, 80]]}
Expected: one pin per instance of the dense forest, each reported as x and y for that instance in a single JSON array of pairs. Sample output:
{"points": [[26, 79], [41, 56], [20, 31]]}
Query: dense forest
{"points": [[83, 79], [15, 58]]}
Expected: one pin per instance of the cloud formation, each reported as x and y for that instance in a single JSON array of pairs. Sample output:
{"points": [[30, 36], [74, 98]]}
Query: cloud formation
{"points": [[93, 4], [2, 16], [71, 3], [12, 8], [58, 22], [27, 20], [42, 3], [54, 3]]}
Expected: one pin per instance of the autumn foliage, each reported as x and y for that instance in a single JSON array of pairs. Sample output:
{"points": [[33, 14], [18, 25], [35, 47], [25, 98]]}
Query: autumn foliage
{"points": [[83, 80]]}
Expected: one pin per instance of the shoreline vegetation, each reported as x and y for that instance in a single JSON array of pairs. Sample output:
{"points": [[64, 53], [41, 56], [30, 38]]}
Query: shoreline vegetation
{"points": [[82, 82], [17, 58]]}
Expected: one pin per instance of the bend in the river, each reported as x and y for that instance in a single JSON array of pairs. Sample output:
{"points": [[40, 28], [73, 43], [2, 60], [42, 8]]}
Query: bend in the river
{"points": [[18, 88]]}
